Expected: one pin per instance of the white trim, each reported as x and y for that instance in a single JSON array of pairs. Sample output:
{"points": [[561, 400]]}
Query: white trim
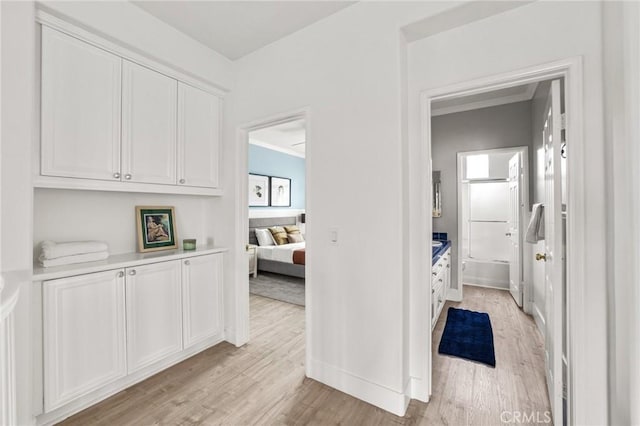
{"points": [[570, 69], [487, 286], [273, 147], [539, 319], [241, 287], [48, 19], [381, 396], [503, 100]]}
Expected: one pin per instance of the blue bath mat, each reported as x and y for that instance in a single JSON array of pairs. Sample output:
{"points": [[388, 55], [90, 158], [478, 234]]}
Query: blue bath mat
{"points": [[468, 334]]}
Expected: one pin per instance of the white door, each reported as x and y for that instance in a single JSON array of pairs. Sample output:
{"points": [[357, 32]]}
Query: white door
{"points": [[149, 119], [84, 335], [154, 313], [202, 298], [80, 123], [513, 233], [553, 251], [198, 137]]}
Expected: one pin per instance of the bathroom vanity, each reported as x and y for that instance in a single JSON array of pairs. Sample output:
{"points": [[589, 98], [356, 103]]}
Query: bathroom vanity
{"points": [[440, 277]]}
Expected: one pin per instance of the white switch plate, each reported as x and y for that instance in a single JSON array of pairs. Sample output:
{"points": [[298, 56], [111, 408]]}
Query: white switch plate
{"points": [[333, 235]]}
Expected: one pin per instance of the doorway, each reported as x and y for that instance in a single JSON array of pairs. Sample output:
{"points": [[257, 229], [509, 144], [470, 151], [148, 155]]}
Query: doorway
{"points": [[574, 217]]}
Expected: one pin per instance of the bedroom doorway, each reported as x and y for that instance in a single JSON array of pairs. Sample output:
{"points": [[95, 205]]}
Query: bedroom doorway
{"points": [[259, 315]]}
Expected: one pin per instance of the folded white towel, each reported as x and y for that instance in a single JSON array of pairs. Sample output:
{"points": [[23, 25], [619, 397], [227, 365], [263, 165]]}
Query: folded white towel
{"points": [[78, 258], [535, 230], [51, 250]]}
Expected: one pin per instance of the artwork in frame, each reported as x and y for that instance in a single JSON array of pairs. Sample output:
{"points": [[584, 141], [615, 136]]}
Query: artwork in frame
{"points": [[258, 190], [280, 192], [156, 228]]}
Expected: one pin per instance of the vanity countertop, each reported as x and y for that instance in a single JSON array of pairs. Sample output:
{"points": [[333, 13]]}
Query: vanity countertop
{"points": [[436, 252]]}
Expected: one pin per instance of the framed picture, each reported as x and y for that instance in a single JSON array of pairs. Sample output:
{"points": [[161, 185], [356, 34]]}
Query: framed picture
{"points": [[156, 228], [258, 190], [280, 192]]}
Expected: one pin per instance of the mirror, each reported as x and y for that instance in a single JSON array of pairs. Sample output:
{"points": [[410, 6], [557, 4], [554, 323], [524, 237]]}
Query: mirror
{"points": [[436, 202]]}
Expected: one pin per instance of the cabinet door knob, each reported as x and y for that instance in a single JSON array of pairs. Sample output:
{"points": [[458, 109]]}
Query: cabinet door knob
{"points": [[132, 272], [186, 262], [182, 180], [116, 175], [127, 176], [120, 274]]}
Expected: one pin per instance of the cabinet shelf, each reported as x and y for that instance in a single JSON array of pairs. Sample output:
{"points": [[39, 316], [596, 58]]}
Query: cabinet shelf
{"points": [[118, 261]]}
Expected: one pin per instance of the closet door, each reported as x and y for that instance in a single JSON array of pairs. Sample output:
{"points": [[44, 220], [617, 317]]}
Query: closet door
{"points": [[198, 137], [80, 109], [149, 102]]}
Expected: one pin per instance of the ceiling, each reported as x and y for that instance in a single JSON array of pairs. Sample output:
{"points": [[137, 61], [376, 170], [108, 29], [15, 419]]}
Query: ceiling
{"points": [[237, 28], [483, 100], [289, 137]]}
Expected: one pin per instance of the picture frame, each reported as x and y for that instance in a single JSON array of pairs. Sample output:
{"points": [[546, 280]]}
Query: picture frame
{"points": [[156, 228], [280, 192], [258, 190]]}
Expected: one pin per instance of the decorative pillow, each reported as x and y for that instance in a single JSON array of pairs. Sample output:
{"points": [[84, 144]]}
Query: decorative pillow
{"points": [[295, 238], [293, 229], [279, 235], [264, 237]]}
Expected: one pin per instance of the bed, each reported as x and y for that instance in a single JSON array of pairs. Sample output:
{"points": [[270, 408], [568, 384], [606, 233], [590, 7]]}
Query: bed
{"points": [[278, 259]]}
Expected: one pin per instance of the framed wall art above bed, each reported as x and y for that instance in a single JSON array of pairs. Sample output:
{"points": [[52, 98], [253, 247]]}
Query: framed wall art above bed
{"points": [[280, 192], [258, 190]]}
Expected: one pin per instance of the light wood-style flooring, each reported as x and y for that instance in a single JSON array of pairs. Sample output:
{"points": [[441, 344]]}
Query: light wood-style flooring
{"points": [[263, 382]]}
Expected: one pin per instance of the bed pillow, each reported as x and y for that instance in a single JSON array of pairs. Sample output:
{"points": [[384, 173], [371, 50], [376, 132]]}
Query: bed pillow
{"points": [[264, 237], [292, 229], [279, 235], [295, 238]]}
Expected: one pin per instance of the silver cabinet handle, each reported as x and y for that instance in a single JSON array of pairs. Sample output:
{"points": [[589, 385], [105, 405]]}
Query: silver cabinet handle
{"points": [[434, 274], [116, 175], [182, 180], [132, 272], [440, 280], [127, 176], [120, 274], [508, 234], [186, 262]]}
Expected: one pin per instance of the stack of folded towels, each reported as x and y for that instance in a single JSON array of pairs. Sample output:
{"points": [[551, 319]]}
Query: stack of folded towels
{"points": [[58, 254]]}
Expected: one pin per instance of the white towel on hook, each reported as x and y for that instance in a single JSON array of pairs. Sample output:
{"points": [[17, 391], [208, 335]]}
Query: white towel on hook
{"points": [[535, 230]]}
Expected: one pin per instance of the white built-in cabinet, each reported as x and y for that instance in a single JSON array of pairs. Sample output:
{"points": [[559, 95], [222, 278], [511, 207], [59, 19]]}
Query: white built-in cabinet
{"points": [[440, 285], [201, 290], [107, 118], [84, 335], [154, 313], [149, 108], [81, 98], [115, 327]]}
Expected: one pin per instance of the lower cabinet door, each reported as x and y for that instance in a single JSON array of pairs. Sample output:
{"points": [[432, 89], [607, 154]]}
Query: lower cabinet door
{"points": [[154, 313], [84, 335], [202, 297]]}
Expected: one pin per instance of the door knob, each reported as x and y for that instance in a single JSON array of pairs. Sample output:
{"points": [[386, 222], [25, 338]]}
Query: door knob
{"points": [[541, 256]]}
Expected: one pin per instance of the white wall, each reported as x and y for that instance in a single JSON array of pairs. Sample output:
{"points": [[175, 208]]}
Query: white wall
{"points": [[346, 69], [621, 43], [529, 35]]}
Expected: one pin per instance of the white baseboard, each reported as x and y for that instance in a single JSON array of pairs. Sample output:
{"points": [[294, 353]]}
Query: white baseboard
{"points": [[539, 319], [486, 286], [381, 396], [454, 294]]}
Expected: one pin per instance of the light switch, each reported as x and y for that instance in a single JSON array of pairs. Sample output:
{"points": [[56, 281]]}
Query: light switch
{"points": [[333, 235]]}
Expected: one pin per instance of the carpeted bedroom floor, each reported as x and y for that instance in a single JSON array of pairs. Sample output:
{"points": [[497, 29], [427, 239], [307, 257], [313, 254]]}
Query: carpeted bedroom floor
{"points": [[279, 287]]}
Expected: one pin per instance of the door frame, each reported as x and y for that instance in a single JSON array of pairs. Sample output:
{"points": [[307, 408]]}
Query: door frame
{"points": [[524, 195], [571, 69], [240, 334]]}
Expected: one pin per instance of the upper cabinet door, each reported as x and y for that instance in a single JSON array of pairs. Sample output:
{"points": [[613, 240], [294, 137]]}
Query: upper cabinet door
{"points": [[149, 115], [81, 87], [198, 137]]}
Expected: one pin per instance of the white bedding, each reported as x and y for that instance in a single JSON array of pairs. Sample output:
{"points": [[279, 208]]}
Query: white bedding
{"points": [[283, 253]]}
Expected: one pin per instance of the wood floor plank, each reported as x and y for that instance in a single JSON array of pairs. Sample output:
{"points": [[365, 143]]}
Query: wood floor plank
{"points": [[263, 382]]}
